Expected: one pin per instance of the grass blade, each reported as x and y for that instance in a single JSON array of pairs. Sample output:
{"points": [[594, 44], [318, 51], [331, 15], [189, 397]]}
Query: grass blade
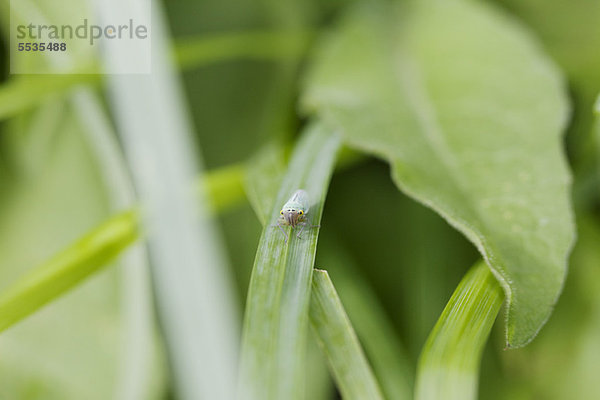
{"points": [[67, 268], [449, 364], [276, 319], [338, 341], [189, 268], [391, 365], [224, 187], [138, 354]]}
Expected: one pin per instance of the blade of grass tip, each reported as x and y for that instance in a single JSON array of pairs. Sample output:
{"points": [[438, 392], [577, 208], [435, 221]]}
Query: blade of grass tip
{"points": [[67, 268], [391, 365], [449, 363], [263, 175], [194, 294], [276, 319], [338, 341]]}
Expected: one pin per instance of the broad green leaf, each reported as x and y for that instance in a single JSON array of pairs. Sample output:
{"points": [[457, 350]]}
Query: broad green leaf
{"points": [[470, 120], [449, 364], [276, 318], [571, 35], [339, 342], [571, 338]]}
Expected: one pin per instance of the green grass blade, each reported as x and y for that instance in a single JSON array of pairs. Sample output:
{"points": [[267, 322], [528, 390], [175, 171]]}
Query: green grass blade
{"points": [[224, 187], [189, 269], [67, 268], [449, 364], [338, 341], [136, 379], [276, 319], [391, 365]]}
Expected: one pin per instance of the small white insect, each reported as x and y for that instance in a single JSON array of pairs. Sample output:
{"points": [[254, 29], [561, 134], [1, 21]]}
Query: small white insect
{"points": [[293, 213]]}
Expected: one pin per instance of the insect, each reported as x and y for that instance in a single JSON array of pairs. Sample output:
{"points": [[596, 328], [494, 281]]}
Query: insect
{"points": [[293, 213]]}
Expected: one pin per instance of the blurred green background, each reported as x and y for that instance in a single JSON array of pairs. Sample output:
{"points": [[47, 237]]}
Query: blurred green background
{"points": [[51, 192]]}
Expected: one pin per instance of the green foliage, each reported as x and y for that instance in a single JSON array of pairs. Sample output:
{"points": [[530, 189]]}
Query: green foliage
{"points": [[278, 46], [23, 94], [276, 318], [51, 197], [96, 250], [450, 110], [67, 269], [570, 35], [449, 364], [263, 178], [376, 332], [26, 92], [458, 97], [348, 364]]}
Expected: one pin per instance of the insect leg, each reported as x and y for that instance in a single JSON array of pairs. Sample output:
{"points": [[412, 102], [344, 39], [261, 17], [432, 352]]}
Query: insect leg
{"points": [[285, 235], [301, 229]]}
